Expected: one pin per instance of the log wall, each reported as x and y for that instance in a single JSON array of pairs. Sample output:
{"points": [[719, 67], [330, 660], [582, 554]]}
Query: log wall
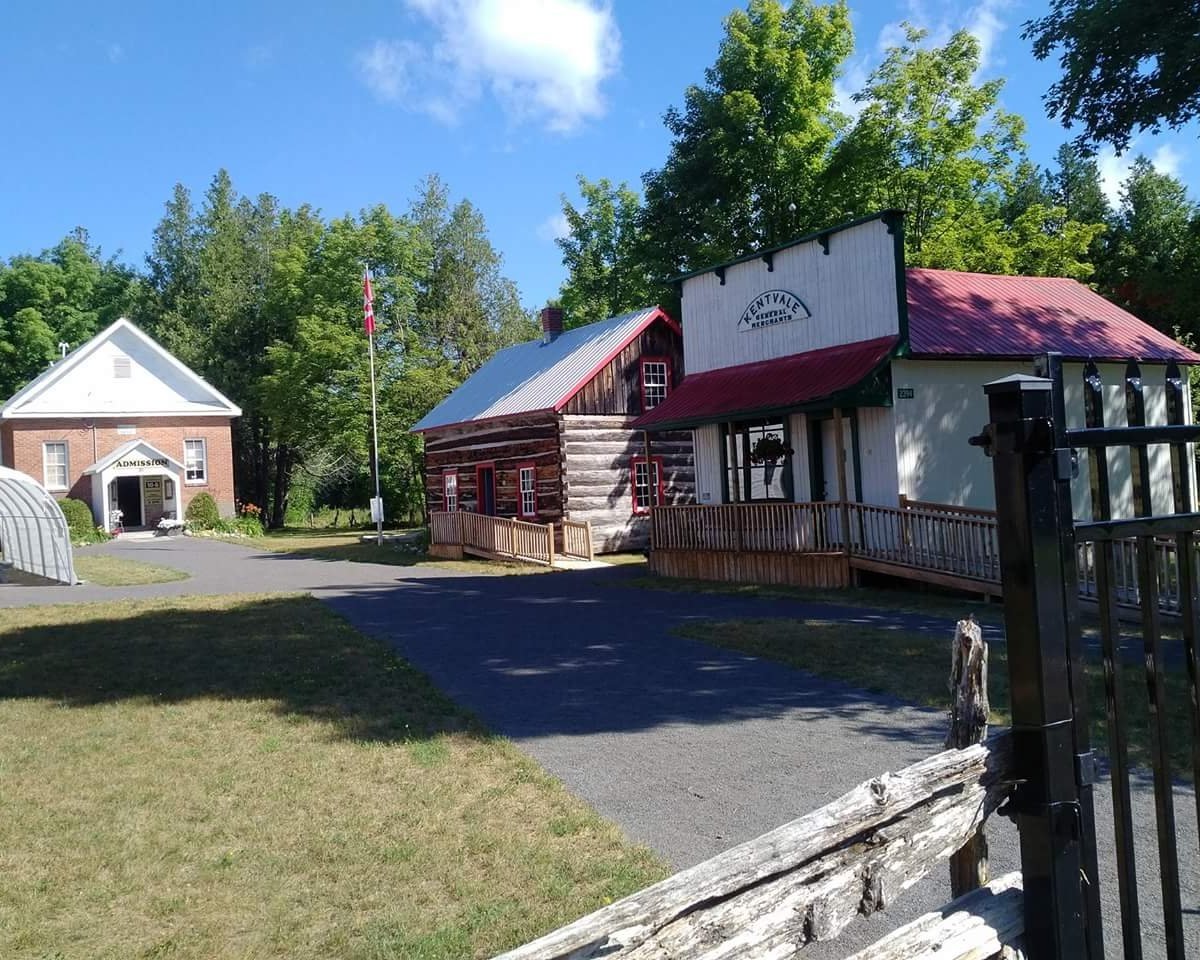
{"points": [[597, 456], [505, 442], [617, 389]]}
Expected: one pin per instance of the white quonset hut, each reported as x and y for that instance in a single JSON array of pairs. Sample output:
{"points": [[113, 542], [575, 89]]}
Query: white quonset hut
{"points": [[34, 537], [825, 372]]}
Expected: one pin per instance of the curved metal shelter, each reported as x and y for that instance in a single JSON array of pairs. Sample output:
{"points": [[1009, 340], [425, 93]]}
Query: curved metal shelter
{"points": [[34, 537]]}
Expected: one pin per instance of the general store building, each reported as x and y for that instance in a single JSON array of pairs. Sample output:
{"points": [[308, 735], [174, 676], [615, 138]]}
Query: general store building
{"points": [[122, 424]]}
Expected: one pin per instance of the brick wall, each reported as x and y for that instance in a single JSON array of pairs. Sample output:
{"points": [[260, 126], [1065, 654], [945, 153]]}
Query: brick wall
{"points": [[21, 442]]}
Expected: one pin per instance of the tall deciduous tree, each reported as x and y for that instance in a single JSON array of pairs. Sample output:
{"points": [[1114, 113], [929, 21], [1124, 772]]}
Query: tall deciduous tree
{"points": [[749, 146], [1128, 65], [602, 254]]}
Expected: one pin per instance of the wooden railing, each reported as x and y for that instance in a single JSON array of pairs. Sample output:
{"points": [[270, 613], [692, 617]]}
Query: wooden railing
{"points": [[494, 537], [577, 540], [958, 542]]}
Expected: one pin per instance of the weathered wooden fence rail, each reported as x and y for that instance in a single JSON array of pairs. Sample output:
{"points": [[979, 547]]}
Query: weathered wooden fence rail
{"points": [[940, 543], [806, 880], [497, 538]]}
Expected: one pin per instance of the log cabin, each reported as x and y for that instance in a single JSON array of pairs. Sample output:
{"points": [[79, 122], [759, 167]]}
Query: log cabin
{"points": [[541, 432]]}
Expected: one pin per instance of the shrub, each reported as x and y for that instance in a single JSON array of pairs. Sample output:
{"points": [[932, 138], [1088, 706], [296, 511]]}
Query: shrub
{"points": [[202, 512], [79, 521]]}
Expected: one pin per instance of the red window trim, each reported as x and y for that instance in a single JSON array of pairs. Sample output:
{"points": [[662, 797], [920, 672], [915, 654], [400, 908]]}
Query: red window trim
{"points": [[526, 465], [642, 377], [448, 471], [658, 497], [479, 468]]}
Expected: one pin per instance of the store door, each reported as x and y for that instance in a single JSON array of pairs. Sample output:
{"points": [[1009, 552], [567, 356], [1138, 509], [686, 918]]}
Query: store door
{"points": [[152, 500], [486, 479], [129, 500]]}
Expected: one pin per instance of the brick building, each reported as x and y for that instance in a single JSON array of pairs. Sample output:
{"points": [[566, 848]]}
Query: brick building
{"points": [[121, 424]]}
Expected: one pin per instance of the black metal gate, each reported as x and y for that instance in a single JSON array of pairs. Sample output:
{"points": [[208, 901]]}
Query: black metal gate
{"points": [[1035, 458]]}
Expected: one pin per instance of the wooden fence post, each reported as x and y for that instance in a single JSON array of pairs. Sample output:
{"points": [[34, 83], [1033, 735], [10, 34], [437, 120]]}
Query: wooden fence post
{"points": [[550, 543], [968, 726]]}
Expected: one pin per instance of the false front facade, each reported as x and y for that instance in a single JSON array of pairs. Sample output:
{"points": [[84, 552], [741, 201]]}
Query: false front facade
{"points": [[124, 426]]}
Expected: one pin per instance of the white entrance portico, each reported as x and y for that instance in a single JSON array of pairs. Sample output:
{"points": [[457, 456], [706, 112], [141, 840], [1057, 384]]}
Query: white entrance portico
{"points": [[139, 480]]}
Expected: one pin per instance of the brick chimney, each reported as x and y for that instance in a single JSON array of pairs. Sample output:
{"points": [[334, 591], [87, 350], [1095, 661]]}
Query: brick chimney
{"points": [[552, 323]]}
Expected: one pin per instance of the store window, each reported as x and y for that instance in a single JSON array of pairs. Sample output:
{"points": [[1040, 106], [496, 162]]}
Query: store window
{"points": [[647, 483], [195, 461], [758, 461], [656, 380], [54, 465]]}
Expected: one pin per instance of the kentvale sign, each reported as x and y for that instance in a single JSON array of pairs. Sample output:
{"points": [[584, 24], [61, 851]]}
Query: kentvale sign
{"points": [[771, 308]]}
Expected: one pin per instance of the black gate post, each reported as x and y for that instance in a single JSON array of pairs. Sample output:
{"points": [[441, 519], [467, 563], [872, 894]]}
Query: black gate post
{"points": [[1028, 470]]}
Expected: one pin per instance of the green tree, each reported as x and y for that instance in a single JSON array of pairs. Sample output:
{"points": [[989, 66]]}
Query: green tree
{"points": [[601, 251], [1128, 65], [1153, 265], [749, 147]]}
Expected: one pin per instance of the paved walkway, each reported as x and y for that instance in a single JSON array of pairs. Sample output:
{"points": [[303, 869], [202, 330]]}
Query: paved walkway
{"points": [[690, 748]]}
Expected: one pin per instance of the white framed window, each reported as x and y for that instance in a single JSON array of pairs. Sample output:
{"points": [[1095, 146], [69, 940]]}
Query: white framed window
{"points": [[647, 484], [195, 461], [54, 465], [527, 488], [450, 491], [656, 376]]}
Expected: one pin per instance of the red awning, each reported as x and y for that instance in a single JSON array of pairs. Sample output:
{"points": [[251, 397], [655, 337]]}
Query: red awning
{"points": [[769, 386]]}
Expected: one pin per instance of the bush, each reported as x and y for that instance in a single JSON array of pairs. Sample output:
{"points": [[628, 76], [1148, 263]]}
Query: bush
{"points": [[202, 512], [80, 523]]}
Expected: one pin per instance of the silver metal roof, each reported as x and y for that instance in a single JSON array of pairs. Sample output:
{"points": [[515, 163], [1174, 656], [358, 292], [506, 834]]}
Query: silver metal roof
{"points": [[537, 375], [33, 531]]}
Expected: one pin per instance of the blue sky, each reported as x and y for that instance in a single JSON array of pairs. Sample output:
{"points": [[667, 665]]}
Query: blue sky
{"points": [[343, 106]]}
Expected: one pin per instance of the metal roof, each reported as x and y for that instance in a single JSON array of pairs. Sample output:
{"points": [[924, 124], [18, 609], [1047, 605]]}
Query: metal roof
{"points": [[953, 314], [538, 375], [785, 383]]}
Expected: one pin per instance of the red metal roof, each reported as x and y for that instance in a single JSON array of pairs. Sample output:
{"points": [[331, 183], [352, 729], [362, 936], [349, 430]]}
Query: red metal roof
{"points": [[768, 385], [981, 315]]}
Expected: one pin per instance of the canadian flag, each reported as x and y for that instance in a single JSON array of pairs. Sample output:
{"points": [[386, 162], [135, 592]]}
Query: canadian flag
{"points": [[368, 305]]}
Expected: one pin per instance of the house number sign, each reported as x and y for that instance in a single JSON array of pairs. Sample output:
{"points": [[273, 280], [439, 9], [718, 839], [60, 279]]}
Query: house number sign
{"points": [[771, 308]]}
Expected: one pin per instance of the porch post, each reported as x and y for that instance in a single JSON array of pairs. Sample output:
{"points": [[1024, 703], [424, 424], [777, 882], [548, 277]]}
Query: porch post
{"points": [[843, 500]]}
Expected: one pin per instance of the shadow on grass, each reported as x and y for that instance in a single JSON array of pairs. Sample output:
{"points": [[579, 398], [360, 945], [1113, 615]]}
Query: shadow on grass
{"points": [[291, 651]]}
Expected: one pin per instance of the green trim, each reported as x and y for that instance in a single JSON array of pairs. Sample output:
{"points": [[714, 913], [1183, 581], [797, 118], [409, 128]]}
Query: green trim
{"points": [[895, 221], [824, 233]]}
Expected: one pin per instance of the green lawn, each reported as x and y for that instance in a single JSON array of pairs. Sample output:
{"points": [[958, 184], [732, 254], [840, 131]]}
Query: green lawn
{"points": [[107, 570], [250, 777], [348, 545], [916, 666]]}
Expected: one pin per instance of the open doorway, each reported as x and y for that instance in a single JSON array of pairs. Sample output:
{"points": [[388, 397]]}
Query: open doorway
{"points": [[129, 500], [485, 479]]}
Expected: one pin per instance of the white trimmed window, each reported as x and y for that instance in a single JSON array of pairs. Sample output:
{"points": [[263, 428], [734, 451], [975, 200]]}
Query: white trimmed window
{"points": [[195, 461], [54, 465], [656, 374], [647, 484], [527, 481], [450, 491]]}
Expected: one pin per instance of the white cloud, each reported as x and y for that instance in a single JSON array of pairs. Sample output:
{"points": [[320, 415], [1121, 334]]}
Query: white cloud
{"points": [[115, 53], [984, 24], [554, 227], [1114, 169], [543, 60]]}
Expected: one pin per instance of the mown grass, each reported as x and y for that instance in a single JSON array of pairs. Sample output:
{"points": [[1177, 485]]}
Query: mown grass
{"points": [[915, 666], [107, 570], [250, 777], [348, 545]]}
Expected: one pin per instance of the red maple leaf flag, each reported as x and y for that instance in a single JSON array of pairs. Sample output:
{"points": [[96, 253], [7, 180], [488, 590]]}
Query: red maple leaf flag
{"points": [[368, 305]]}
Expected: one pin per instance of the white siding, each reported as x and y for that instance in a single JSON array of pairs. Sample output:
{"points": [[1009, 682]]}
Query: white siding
{"points": [[936, 463], [851, 293], [706, 445], [877, 455], [801, 480]]}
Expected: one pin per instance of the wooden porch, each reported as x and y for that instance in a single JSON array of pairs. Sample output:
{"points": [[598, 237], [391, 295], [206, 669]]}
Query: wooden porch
{"points": [[824, 545], [457, 533]]}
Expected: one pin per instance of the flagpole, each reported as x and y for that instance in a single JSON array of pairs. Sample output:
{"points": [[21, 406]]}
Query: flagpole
{"points": [[369, 320]]}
